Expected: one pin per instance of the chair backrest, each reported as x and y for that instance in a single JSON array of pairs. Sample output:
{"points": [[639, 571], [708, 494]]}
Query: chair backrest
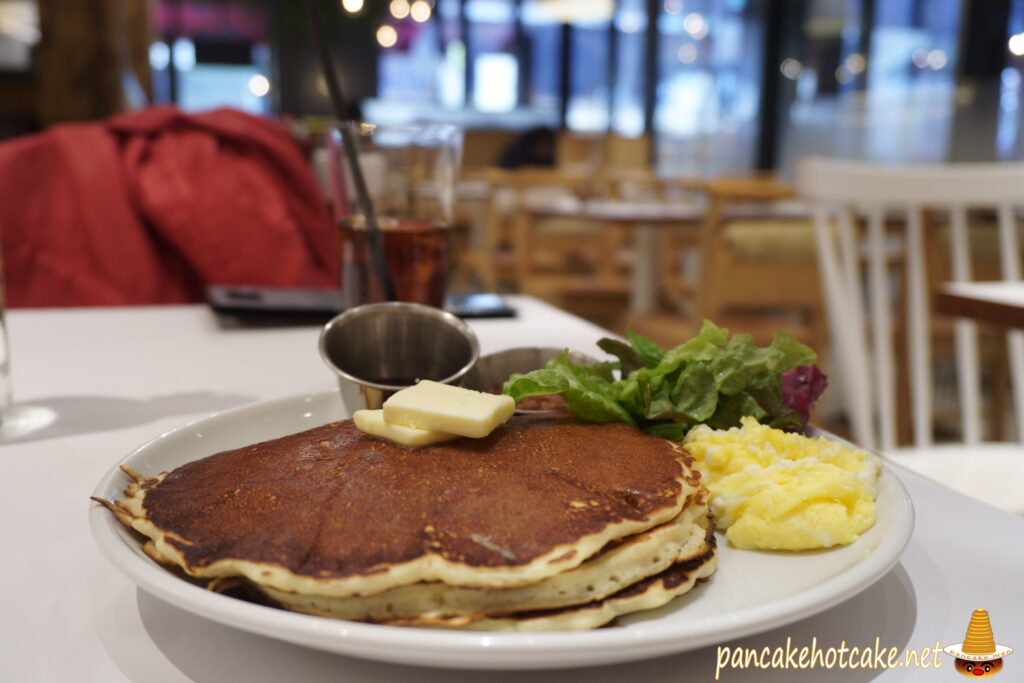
{"points": [[848, 194], [750, 276], [627, 152]]}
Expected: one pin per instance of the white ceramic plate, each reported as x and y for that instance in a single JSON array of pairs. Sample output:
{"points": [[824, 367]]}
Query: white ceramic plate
{"points": [[750, 591]]}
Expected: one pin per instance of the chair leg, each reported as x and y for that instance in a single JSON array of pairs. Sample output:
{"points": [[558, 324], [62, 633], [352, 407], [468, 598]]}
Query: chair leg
{"points": [[523, 230], [904, 424], [1000, 391]]}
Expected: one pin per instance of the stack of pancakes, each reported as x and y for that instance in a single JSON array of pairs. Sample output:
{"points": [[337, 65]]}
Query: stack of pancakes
{"points": [[549, 523]]}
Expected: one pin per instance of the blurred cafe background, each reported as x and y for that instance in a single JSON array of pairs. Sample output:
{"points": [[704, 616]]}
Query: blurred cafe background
{"points": [[636, 162]]}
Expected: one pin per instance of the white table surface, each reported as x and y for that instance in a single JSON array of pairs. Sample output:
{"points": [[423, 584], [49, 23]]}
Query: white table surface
{"points": [[115, 378]]}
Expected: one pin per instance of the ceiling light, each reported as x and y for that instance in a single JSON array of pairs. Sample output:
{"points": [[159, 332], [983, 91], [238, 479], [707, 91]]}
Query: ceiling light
{"points": [[399, 8], [387, 36], [791, 68], [259, 85], [937, 59], [1016, 44], [420, 11]]}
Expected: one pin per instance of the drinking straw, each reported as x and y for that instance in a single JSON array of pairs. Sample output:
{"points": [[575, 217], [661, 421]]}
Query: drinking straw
{"points": [[348, 144]]}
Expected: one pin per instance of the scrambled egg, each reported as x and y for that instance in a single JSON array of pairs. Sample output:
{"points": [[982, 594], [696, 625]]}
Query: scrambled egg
{"points": [[775, 490]]}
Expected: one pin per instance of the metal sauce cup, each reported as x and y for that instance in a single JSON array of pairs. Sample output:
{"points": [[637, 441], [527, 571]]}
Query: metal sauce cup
{"points": [[378, 349]]}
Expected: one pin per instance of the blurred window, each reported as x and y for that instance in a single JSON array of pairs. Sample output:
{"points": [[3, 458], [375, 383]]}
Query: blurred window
{"points": [[495, 78], [1009, 144], [709, 69], [911, 80], [587, 110], [887, 96], [491, 54], [543, 36], [452, 76], [475, 62], [212, 55], [212, 75], [872, 79], [410, 66], [630, 76], [19, 32]]}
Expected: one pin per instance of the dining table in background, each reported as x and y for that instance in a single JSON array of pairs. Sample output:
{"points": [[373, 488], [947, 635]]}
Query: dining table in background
{"points": [[648, 225], [639, 219], [997, 302], [93, 384]]}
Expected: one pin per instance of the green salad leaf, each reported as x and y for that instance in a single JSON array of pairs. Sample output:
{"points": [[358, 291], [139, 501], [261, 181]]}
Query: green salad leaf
{"points": [[711, 379]]}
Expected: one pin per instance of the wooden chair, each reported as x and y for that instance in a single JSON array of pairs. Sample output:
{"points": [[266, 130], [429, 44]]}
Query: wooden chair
{"points": [[558, 254], [482, 147], [594, 153], [754, 274], [513, 252], [627, 153], [757, 288], [864, 321], [671, 242], [579, 152]]}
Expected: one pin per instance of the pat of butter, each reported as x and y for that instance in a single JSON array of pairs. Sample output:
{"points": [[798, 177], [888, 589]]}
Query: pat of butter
{"points": [[372, 422], [432, 405]]}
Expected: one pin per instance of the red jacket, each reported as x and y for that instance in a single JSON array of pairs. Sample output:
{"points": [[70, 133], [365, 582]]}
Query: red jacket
{"points": [[150, 207]]}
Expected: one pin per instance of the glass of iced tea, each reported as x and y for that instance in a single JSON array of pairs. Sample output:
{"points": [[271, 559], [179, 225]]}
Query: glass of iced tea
{"points": [[410, 173]]}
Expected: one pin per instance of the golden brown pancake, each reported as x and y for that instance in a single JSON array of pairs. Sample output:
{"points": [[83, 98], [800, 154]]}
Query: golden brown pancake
{"points": [[617, 565], [335, 512], [648, 593]]}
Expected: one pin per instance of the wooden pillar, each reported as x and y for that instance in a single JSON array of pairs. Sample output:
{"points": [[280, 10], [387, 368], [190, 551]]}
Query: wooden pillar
{"points": [[92, 59]]}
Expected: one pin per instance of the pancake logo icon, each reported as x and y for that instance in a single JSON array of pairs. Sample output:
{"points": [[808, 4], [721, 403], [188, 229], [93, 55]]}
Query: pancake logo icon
{"points": [[978, 656]]}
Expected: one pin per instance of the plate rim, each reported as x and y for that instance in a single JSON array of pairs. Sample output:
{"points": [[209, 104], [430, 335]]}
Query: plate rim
{"points": [[476, 650]]}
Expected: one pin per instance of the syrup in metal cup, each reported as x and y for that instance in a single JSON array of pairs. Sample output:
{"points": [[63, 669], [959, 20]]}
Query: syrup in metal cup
{"points": [[377, 349], [410, 173]]}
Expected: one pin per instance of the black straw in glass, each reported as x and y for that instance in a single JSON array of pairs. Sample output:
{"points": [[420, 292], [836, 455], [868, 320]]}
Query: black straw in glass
{"points": [[373, 236]]}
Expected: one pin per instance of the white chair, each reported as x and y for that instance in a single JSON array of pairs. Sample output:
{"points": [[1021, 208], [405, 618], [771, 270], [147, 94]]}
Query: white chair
{"points": [[858, 287]]}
